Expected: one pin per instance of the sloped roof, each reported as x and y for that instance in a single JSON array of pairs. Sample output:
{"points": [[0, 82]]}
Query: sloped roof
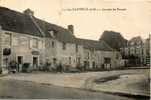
{"points": [[113, 39], [92, 44], [136, 39], [60, 33], [22, 23], [17, 22]]}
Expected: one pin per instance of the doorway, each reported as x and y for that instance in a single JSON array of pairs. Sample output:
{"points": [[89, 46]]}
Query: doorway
{"points": [[35, 63], [20, 63]]}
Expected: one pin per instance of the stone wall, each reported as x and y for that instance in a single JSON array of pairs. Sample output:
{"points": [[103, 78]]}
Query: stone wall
{"points": [[96, 59], [66, 56], [51, 50], [22, 46]]}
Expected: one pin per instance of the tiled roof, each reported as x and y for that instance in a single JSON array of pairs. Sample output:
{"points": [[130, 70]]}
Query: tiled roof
{"points": [[136, 39], [22, 23], [92, 44], [17, 22], [60, 33]]}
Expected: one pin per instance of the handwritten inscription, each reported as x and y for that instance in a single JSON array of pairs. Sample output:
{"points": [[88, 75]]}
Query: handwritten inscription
{"points": [[94, 9]]}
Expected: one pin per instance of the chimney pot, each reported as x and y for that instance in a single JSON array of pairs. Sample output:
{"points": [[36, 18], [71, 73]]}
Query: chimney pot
{"points": [[71, 28], [29, 12]]}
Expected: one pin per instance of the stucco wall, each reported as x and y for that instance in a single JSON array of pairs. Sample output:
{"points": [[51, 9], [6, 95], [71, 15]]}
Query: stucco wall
{"points": [[98, 56], [48, 52], [67, 56], [25, 48]]}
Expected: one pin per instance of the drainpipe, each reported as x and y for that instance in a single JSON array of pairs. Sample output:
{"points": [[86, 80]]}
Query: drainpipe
{"points": [[1, 48]]}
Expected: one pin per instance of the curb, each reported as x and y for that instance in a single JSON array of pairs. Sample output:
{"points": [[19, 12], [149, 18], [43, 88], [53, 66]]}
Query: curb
{"points": [[130, 95], [1, 75]]}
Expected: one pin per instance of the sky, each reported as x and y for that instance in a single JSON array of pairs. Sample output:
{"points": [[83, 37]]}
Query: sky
{"points": [[129, 17]]}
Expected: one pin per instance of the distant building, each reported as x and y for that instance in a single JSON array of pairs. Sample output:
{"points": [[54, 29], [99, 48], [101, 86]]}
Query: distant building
{"points": [[147, 51], [136, 51], [113, 39], [27, 39]]}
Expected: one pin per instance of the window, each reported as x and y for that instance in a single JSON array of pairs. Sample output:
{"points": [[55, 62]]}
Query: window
{"points": [[64, 46], [7, 39], [93, 64], [53, 44], [35, 43], [54, 60], [15, 41], [69, 60], [88, 55], [117, 56], [23, 40], [40, 44], [76, 47], [20, 59], [88, 63], [52, 33], [78, 60], [107, 60]]}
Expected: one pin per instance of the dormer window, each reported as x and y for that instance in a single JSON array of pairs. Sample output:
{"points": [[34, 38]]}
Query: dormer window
{"points": [[52, 33]]}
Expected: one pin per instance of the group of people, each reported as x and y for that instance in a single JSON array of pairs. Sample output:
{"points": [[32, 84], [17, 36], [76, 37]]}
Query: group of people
{"points": [[13, 67], [55, 67]]}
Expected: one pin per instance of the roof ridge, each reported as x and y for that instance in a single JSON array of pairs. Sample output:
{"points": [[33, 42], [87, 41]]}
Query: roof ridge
{"points": [[106, 44], [38, 27]]}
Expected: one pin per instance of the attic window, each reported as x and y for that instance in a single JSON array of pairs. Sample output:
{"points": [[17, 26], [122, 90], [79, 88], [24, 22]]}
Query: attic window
{"points": [[52, 33]]}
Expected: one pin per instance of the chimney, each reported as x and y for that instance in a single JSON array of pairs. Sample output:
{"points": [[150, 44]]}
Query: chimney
{"points": [[29, 12], [71, 28]]}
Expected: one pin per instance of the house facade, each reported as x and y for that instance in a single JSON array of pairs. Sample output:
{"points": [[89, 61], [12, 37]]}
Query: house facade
{"points": [[27, 39], [137, 51], [22, 48], [99, 55]]}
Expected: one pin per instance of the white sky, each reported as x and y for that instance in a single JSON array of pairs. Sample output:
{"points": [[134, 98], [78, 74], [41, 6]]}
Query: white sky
{"points": [[134, 21]]}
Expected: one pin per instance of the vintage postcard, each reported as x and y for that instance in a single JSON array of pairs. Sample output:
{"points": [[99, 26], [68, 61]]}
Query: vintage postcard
{"points": [[75, 49]]}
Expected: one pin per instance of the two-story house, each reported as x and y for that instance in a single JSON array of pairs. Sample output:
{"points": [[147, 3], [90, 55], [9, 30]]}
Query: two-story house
{"points": [[136, 51], [99, 55], [27, 39], [22, 42]]}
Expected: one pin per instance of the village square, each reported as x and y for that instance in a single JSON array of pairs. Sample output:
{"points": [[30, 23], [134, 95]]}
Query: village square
{"points": [[39, 59]]}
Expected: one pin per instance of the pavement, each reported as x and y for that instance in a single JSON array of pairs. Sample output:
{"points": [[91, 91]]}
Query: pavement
{"points": [[14, 89], [129, 81], [134, 84]]}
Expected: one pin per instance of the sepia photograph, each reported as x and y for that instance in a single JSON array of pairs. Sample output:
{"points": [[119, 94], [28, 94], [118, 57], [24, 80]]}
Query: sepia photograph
{"points": [[75, 49]]}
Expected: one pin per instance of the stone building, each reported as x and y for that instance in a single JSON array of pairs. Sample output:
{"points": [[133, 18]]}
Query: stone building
{"points": [[22, 40], [27, 39], [136, 51], [99, 55], [147, 51]]}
